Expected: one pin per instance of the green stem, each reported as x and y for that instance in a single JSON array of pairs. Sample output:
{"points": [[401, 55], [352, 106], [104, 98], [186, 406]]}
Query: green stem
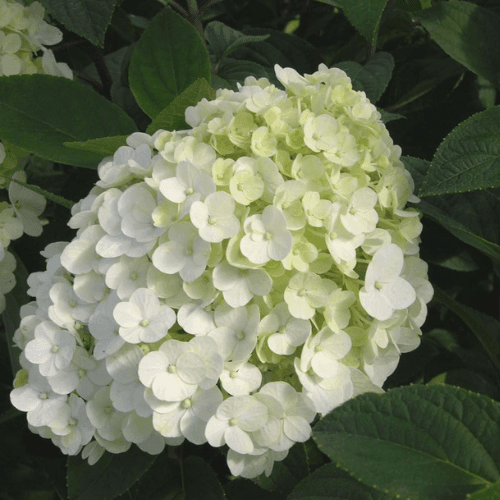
{"points": [[194, 17], [50, 196]]}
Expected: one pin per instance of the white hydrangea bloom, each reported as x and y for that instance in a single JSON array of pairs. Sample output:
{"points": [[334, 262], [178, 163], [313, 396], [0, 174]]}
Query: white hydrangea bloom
{"points": [[268, 244]]}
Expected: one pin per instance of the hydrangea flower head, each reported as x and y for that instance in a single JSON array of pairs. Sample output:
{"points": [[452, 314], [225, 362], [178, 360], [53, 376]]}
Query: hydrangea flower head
{"points": [[230, 282]]}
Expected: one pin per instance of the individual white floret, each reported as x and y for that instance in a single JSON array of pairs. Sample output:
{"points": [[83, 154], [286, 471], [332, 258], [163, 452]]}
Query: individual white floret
{"points": [[185, 252], [215, 217], [189, 417], [385, 291], [103, 327], [360, 216], [11, 227], [240, 378], [142, 318], [266, 237], [175, 371], [67, 306], [236, 332], [323, 351], [107, 421], [239, 286], [84, 374], [27, 204], [337, 313], [287, 332], [251, 466], [246, 184], [7, 268], [52, 348], [51, 67], [73, 426], [194, 318], [235, 419], [37, 399], [305, 293]]}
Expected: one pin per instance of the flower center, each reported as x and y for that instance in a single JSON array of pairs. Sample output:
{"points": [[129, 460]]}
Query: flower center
{"points": [[133, 276], [212, 220], [187, 403], [233, 421], [233, 374], [172, 369], [55, 348], [144, 322]]}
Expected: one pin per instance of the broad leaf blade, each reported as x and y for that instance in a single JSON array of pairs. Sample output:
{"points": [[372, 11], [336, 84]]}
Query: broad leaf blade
{"points": [[231, 72], [104, 146], [87, 18], [223, 39], [471, 217], [365, 16], [467, 33], [420, 442], [331, 483], [168, 58], [468, 159], [373, 77], [111, 476], [38, 113], [172, 117], [484, 327], [200, 481]]}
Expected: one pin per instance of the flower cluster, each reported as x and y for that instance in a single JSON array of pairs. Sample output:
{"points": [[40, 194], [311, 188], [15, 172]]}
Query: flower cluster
{"points": [[228, 282], [23, 34]]}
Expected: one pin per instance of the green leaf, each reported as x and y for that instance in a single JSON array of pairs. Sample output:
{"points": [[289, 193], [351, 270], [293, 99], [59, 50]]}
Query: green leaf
{"points": [[365, 16], [468, 379], [162, 481], [469, 157], [232, 71], [39, 113], [373, 77], [172, 117], [168, 58], [419, 442], [489, 493], [87, 18], [484, 327], [331, 483], [104, 146], [111, 476], [244, 489], [223, 40], [289, 51], [467, 33], [200, 481], [471, 217], [387, 117]]}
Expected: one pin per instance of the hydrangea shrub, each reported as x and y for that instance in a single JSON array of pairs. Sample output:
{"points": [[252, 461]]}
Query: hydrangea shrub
{"points": [[229, 282]]}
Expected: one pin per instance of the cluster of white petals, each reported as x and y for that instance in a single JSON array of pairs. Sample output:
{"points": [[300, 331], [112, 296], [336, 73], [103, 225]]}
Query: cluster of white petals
{"points": [[23, 38], [230, 282], [19, 216]]}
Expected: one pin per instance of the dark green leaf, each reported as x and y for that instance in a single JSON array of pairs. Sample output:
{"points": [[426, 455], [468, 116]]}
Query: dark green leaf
{"points": [[387, 117], [223, 40], [162, 481], [373, 77], [289, 51], [172, 117], [467, 33], [470, 380], [168, 58], [471, 217], [111, 476], [469, 157], [231, 72], [419, 442], [200, 481], [244, 489], [87, 18], [490, 493], [104, 146], [331, 483], [484, 327], [365, 16], [286, 473], [38, 113]]}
